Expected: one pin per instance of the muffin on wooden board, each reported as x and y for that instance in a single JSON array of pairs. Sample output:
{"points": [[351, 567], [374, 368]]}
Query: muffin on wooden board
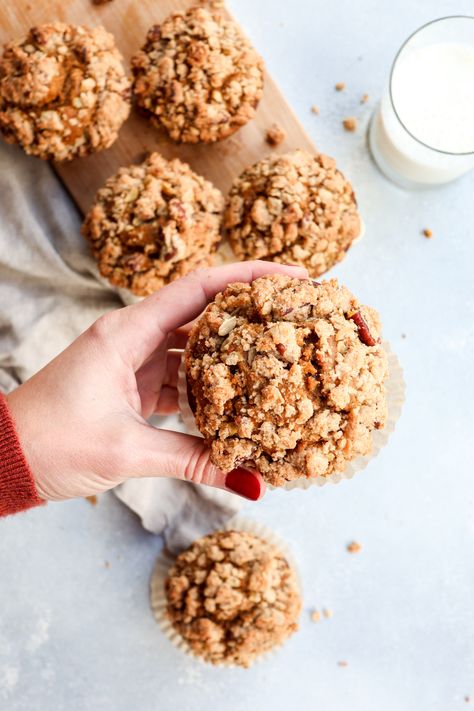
{"points": [[287, 376], [153, 223], [295, 208], [63, 91], [197, 76], [233, 597]]}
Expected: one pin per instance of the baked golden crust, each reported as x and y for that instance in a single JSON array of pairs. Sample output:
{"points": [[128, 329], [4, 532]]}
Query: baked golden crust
{"points": [[295, 208], [232, 596], [63, 91], [287, 377], [153, 223], [197, 76]]}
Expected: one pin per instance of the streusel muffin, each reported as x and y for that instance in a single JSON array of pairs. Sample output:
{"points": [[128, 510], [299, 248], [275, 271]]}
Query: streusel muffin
{"points": [[63, 91], [197, 76], [233, 597], [152, 223], [294, 208], [286, 376]]}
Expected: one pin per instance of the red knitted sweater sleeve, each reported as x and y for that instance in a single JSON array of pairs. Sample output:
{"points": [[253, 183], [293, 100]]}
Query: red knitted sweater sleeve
{"points": [[17, 486]]}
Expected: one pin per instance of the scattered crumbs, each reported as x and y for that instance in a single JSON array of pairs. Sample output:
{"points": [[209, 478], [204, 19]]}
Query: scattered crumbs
{"points": [[364, 99], [106, 564], [467, 699], [340, 86], [350, 123], [315, 109], [315, 616], [343, 663], [354, 547], [327, 613], [92, 500], [275, 135], [427, 232], [404, 335]]}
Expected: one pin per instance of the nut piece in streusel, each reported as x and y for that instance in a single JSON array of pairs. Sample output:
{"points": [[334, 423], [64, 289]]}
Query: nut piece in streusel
{"points": [[287, 377], [153, 223], [232, 596], [295, 208], [63, 91], [197, 76]]}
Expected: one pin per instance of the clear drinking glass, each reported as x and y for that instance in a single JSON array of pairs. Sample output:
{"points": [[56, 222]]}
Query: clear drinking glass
{"points": [[422, 134]]}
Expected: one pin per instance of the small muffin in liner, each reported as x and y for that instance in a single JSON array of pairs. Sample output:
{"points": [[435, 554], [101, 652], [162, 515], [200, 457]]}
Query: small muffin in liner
{"points": [[274, 621], [293, 380]]}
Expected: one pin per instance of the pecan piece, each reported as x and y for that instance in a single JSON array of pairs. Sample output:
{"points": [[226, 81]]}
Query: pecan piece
{"points": [[362, 328]]}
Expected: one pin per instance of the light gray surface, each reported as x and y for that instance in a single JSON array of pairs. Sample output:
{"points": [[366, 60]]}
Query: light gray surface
{"points": [[76, 635]]}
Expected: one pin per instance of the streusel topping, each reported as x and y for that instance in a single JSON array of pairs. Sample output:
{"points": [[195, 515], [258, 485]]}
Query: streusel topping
{"points": [[287, 377], [198, 76], [63, 91], [295, 208], [232, 596], [153, 223]]}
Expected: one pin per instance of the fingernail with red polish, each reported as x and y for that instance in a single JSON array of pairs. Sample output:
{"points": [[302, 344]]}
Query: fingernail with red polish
{"points": [[245, 483]]}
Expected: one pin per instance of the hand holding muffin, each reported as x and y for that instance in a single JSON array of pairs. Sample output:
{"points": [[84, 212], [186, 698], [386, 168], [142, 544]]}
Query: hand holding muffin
{"points": [[93, 400]]}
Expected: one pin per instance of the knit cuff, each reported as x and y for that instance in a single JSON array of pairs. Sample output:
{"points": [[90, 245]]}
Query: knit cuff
{"points": [[17, 485]]}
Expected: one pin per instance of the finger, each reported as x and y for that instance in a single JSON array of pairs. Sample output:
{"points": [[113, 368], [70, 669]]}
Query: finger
{"points": [[145, 325], [171, 454], [167, 401]]}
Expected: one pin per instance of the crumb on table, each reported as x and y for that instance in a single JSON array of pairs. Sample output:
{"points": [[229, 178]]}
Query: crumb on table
{"points": [[342, 663], [327, 613], [340, 86], [354, 547], [350, 123], [364, 98], [315, 616], [275, 135], [315, 109], [427, 232], [92, 500]]}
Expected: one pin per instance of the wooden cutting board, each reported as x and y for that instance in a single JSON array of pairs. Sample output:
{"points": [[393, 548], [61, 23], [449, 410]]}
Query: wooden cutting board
{"points": [[129, 20]]}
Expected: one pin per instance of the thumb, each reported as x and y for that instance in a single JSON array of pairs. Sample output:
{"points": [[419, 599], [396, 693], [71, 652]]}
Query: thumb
{"points": [[180, 456]]}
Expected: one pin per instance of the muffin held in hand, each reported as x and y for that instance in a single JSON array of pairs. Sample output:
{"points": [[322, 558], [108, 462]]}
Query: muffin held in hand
{"points": [[63, 91], [152, 223], [197, 76], [232, 596], [287, 377], [294, 209]]}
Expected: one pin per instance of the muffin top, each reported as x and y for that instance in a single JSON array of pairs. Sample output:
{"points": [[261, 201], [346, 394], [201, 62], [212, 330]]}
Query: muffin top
{"points": [[232, 596], [152, 223], [294, 208], [63, 91], [198, 76], [287, 377]]}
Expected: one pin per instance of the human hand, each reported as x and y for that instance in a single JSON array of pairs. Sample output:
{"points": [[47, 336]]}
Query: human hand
{"points": [[82, 418]]}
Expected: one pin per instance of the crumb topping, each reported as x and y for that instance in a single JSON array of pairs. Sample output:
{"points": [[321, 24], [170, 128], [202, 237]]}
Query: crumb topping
{"points": [[153, 223], [232, 597], [275, 135], [281, 380], [295, 208], [198, 76], [350, 123], [63, 91]]}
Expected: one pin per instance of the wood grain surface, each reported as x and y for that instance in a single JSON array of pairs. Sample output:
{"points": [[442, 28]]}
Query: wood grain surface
{"points": [[129, 21]]}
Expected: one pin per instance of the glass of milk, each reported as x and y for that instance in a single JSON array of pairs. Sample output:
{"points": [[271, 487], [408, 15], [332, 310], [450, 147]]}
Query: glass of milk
{"points": [[422, 134]]}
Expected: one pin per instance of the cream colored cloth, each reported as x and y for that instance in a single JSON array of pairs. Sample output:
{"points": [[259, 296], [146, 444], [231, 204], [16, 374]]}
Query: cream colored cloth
{"points": [[49, 294]]}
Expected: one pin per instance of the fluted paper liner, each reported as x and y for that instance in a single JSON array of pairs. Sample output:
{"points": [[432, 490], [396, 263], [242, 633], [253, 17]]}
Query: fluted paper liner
{"points": [[395, 395], [165, 561]]}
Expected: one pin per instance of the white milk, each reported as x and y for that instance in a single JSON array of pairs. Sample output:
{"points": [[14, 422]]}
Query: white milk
{"points": [[433, 94]]}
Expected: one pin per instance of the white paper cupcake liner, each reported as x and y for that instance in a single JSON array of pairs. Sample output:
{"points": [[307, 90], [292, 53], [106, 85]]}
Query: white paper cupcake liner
{"points": [[165, 561], [395, 394]]}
